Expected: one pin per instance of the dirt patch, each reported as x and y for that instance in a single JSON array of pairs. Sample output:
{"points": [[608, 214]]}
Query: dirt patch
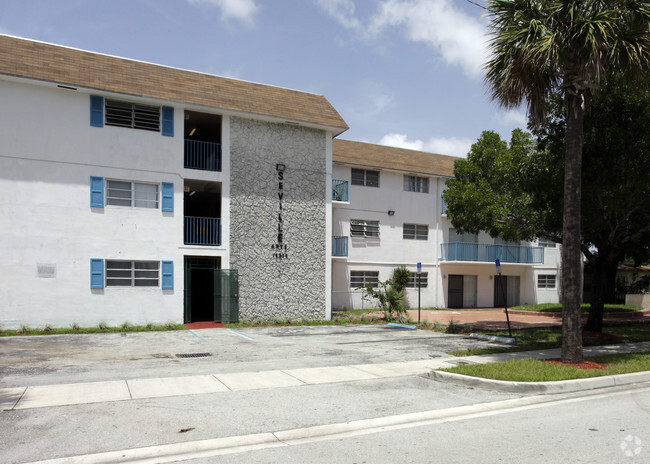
{"points": [[584, 365]]}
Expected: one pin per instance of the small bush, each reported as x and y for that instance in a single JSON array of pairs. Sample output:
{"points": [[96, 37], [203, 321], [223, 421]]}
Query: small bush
{"points": [[149, 326], [126, 325], [48, 328], [25, 329], [453, 327], [75, 326], [102, 325]]}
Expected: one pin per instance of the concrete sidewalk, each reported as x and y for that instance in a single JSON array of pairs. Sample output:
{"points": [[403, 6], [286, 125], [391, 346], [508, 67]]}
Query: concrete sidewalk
{"points": [[134, 389]]}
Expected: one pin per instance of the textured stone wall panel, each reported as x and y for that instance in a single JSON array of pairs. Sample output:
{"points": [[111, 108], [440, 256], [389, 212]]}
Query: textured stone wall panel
{"points": [[292, 287]]}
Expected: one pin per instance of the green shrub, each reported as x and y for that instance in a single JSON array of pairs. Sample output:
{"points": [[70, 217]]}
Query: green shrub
{"points": [[48, 328], [400, 278], [75, 326], [126, 325], [102, 325]]}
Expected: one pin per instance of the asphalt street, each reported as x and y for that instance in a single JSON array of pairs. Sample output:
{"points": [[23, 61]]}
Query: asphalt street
{"points": [[395, 417]]}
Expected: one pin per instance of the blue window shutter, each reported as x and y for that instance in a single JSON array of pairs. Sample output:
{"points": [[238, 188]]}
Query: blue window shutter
{"points": [[168, 121], [96, 111], [96, 273], [96, 192], [167, 196], [167, 275]]}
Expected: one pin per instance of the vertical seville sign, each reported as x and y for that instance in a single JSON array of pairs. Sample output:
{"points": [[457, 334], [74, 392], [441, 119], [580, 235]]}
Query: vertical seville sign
{"points": [[280, 248]]}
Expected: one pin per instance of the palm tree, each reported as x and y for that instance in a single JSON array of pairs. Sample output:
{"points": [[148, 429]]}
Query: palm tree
{"points": [[542, 46]]}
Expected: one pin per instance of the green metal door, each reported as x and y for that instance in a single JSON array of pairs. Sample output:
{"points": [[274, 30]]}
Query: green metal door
{"points": [[226, 295]]}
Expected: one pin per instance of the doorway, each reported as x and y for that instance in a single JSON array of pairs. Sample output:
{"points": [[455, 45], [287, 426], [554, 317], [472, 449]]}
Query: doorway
{"points": [[506, 291], [211, 293], [462, 291]]}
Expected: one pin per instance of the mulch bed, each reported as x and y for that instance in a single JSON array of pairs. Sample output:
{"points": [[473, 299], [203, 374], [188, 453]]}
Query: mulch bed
{"points": [[584, 365]]}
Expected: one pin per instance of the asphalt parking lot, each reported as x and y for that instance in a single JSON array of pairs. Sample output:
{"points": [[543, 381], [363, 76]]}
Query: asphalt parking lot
{"points": [[47, 360]]}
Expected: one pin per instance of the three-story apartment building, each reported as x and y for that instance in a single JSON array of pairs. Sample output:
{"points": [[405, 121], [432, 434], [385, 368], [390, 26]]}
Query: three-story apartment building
{"points": [[389, 212], [136, 192]]}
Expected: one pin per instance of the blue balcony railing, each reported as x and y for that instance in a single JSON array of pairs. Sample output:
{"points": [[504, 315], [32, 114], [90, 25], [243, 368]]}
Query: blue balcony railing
{"points": [[484, 253], [339, 190], [205, 156], [339, 246], [202, 231]]}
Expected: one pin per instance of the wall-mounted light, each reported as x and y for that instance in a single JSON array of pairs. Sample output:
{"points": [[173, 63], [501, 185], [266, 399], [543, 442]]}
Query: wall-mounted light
{"points": [[192, 192], [192, 131], [391, 212], [279, 167]]}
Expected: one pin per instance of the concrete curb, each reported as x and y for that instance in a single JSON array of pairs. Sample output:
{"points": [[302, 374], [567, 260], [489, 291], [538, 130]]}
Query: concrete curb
{"points": [[562, 386]]}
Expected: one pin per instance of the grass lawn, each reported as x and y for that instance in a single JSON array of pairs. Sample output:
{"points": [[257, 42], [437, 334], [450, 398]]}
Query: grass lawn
{"points": [[557, 308], [551, 337], [102, 328], [536, 370]]}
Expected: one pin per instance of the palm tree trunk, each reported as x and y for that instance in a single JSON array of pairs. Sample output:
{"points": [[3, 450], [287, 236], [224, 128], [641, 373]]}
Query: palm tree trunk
{"points": [[571, 256]]}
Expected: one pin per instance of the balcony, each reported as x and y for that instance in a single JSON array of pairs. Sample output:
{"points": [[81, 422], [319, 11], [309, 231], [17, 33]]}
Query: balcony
{"points": [[340, 190], [202, 231], [484, 253], [339, 246], [205, 156]]}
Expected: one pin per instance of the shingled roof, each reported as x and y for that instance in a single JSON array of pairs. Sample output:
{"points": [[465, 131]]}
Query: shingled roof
{"points": [[369, 155], [78, 68]]}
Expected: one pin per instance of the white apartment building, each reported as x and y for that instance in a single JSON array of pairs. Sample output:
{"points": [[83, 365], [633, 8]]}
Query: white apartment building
{"points": [[142, 193], [388, 212], [136, 192]]}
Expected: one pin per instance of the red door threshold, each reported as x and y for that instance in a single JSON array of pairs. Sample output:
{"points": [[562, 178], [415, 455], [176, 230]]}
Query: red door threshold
{"points": [[205, 325]]}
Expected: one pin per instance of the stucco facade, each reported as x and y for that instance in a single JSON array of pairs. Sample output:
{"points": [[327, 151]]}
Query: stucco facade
{"points": [[406, 193], [173, 217]]}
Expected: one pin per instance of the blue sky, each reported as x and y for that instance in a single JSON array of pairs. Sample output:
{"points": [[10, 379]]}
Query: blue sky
{"points": [[400, 72]]}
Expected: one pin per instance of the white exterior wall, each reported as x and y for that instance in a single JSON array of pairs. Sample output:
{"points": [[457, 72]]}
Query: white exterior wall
{"points": [[47, 155], [391, 250]]}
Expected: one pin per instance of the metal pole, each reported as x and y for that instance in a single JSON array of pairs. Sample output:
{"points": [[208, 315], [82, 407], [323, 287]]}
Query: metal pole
{"points": [[505, 301], [418, 298]]}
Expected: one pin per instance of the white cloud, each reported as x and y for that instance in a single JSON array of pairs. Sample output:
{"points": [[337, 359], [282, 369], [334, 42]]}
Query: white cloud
{"points": [[243, 10], [451, 146], [460, 39], [453, 35], [512, 117], [342, 11]]}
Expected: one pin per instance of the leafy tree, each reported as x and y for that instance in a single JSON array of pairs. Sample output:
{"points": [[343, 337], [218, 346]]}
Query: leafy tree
{"points": [[615, 181], [542, 46], [512, 190]]}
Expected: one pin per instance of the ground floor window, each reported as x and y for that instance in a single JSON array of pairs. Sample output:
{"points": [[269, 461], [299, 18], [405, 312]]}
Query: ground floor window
{"points": [[132, 273], [363, 278], [413, 281], [546, 281]]}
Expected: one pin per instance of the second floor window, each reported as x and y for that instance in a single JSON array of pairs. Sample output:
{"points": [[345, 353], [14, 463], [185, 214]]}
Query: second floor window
{"points": [[546, 243], [363, 228], [123, 193], [415, 232], [365, 177], [416, 184]]}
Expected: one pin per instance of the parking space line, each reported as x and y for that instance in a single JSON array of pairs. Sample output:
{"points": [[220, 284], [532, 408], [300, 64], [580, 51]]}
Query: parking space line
{"points": [[241, 334]]}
